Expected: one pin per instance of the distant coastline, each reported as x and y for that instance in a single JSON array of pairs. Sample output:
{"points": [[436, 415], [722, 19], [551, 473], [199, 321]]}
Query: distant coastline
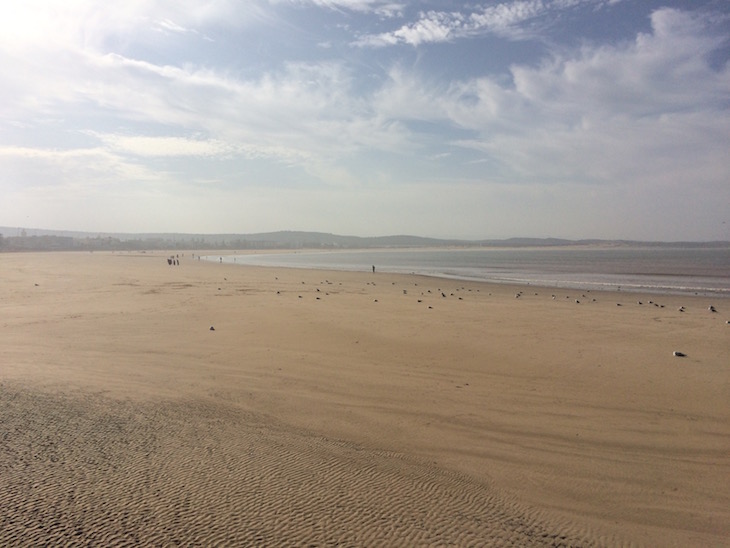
{"points": [[35, 239]]}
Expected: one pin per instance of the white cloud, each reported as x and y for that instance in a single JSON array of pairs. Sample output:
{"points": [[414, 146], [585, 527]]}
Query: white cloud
{"points": [[47, 154], [166, 146], [303, 114], [646, 117], [75, 172], [608, 115], [503, 16], [89, 24], [170, 27], [504, 19], [384, 8]]}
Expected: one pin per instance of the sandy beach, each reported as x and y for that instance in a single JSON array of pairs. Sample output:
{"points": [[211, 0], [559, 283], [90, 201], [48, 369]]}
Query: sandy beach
{"points": [[214, 404]]}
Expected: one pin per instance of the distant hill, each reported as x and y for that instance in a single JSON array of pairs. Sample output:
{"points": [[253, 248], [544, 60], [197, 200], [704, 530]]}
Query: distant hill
{"points": [[35, 239]]}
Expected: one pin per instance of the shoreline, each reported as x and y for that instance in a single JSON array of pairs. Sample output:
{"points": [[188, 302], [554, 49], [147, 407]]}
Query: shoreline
{"points": [[352, 407], [626, 285]]}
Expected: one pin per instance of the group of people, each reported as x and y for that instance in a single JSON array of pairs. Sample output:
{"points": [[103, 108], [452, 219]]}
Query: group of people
{"points": [[173, 260]]}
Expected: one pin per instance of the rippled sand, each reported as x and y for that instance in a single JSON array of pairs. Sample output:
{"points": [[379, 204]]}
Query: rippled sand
{"points": [[352, 409]]}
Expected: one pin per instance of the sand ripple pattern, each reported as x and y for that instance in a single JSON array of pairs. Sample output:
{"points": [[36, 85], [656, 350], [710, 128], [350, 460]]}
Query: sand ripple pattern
{"points": [[83, 469]]}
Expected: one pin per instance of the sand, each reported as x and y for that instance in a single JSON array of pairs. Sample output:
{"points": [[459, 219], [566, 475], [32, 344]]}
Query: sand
{"points": [[352, 409]]}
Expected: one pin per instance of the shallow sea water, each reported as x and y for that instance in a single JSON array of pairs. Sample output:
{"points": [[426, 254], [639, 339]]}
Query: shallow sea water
{"points": [[702, 271]]}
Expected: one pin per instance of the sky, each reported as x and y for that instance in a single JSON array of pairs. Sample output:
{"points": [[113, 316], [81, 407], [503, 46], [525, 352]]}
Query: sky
{"points": [[526, 118]]}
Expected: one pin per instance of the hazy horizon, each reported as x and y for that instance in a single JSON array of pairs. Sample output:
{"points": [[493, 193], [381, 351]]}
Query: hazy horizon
{"points": [[9, 232], [572, 119]]}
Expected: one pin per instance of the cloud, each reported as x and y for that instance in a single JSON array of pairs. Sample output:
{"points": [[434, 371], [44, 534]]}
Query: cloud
{"points": [[142, 147], [301, 114], [90, 24], [506, 19], [170, 27], [638, 117], [166, 146], [76, 172], [308, 114], [384, 8], [33, 153], [609, 114]]}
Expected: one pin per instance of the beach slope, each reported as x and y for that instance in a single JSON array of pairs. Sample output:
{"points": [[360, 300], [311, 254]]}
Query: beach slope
{"points": [[143, 403]]}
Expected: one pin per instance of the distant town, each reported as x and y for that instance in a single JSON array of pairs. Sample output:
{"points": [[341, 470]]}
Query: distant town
{"points": [[15, 239]]}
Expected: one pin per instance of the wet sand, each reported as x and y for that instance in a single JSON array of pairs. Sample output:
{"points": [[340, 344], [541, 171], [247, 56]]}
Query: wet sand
{"points": [[353, 409]]}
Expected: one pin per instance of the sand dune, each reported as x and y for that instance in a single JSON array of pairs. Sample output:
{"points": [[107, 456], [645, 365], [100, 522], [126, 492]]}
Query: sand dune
{"points": [[353, 409]]}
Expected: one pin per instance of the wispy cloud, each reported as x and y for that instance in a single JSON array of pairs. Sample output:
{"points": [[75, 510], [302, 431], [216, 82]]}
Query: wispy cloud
{"points": [[384, 8], [305, 114], [121, 99], [647, 119], [309, 112], [77, 171], [166, 146], [87, 24], [600, 116], [168, 26], [504, 19]]}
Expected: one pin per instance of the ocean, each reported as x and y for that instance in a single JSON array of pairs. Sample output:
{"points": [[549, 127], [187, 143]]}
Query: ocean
{"points": [[674, 270]]}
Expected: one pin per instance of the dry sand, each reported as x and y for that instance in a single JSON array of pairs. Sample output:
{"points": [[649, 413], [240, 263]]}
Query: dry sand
{"points": [[352, 409]]}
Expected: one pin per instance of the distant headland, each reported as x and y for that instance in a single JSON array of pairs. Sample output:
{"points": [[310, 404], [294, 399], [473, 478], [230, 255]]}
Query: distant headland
{"points": [[35, 239]]}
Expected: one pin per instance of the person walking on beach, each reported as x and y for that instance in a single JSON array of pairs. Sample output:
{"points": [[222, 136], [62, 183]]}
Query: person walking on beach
{"points": [[373, 269]]}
